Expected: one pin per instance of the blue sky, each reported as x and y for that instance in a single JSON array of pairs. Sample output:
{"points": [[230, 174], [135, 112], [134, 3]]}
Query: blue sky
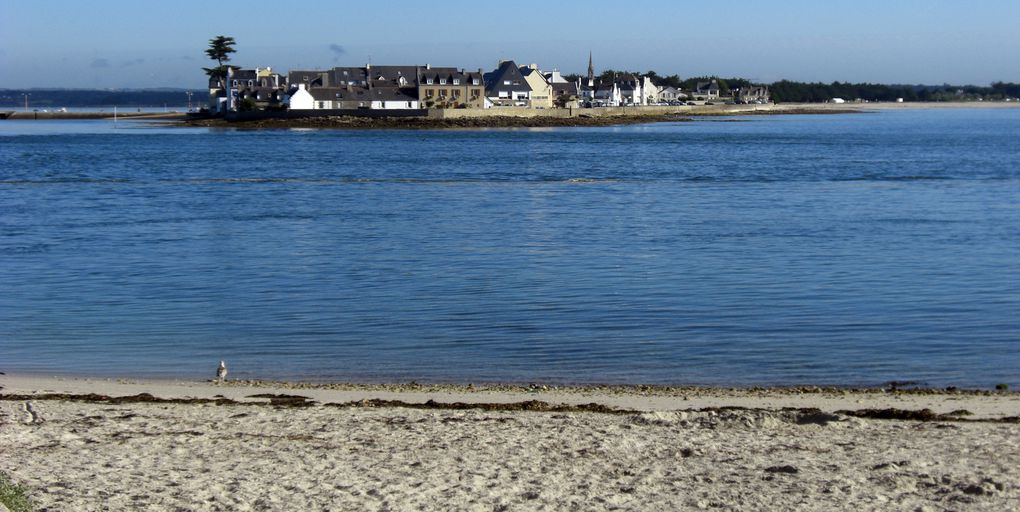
{"points": [[113, 43]]}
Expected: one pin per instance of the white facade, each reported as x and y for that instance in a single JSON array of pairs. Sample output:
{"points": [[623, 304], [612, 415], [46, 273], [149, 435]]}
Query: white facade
{"points": [[395, 105], [302, 99], [611, 97], [649, 91], [554, 77]]}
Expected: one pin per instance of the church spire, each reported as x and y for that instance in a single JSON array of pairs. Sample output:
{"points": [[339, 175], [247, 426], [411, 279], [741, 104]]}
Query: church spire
{"points": [[591, 71]]}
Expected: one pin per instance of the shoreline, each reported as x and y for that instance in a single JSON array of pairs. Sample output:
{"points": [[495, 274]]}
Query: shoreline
{"points": [[508, 118], [980, 404], [169, 445]]}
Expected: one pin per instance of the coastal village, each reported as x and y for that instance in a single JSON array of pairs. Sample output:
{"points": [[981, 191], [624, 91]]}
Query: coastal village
{"points": [[426, 87]]}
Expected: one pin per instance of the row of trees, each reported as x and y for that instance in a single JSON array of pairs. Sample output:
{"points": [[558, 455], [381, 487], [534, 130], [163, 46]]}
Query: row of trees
{"points": [[790, 91]]}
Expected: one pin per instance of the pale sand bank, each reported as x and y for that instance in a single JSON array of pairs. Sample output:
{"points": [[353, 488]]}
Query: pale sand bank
{"points": [[80, 455]]}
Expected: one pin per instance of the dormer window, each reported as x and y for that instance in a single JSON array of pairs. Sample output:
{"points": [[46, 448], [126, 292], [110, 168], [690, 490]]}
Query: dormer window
{"points": [[506, 82], [475, 81], [456, 81], [251, 83], [428, 81], [442, 81]]}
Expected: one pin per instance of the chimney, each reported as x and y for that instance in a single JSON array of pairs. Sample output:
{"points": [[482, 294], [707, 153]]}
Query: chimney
{"points": [[428, 66], [533, 66]]}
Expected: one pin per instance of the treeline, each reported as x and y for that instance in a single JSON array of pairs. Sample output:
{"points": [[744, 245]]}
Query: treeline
{"points": [[78, 98], [801, 92], [813, 92]]}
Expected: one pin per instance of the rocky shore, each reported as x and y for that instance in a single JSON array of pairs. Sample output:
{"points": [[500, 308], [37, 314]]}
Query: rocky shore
{"points": [[499, 121], [424, 123]]}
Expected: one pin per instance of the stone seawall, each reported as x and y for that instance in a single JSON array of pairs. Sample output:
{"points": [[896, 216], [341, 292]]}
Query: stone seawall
{"points": [[462, 113]]}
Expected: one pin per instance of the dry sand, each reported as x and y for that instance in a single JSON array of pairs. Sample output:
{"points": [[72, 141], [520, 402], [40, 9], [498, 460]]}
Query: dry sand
{"points": [[675, 449]]}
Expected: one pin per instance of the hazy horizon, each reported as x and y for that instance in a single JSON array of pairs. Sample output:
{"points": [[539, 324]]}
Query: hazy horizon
{"points": [[51, 44]]}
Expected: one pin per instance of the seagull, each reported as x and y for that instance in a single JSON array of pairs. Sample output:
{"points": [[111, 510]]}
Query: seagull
{"points": [[221, 372]]}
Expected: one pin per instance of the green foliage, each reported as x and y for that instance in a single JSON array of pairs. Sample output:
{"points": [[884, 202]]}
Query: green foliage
{"points": [[790, 91], [218, 71], [13, 496], [247, 105], [220, 48], [1002, 387]]}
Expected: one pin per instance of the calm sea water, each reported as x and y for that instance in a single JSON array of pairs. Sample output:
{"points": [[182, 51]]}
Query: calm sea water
{"points": [[853, 249]]}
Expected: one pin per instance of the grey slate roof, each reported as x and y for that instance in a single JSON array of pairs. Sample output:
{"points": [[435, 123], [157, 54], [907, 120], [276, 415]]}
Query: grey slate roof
{"points": [[560, 88], [507, 72], [707, 86], [309, 78]]}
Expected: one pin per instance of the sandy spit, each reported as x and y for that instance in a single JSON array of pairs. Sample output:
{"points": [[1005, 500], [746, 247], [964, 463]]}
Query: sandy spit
{"points": [[693, 453]]}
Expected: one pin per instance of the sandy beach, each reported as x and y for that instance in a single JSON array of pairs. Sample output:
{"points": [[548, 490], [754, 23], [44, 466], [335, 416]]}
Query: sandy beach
{"points": [[97, 444]]}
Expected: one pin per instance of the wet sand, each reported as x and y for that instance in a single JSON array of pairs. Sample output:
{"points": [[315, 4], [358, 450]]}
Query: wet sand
{"points": [[177, 445]]}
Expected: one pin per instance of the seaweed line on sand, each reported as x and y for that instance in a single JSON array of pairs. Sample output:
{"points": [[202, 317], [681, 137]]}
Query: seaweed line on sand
{"points": [[802, 415]]}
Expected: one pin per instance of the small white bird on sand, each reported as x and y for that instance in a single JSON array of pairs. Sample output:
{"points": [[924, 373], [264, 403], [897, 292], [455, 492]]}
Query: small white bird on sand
{"points": [[221, 372]]}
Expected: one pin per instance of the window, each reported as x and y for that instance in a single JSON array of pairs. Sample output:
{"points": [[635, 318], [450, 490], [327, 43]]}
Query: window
{"points": [[428, 81], [475, 81], [506, 82], [235, 83], [442, 81], [429, 93], [322, 104], [442, 93], [456, 81]]}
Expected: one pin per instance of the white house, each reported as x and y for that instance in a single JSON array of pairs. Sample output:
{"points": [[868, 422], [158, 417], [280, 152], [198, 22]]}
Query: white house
{"points": [[707, 90], [301, 99]]}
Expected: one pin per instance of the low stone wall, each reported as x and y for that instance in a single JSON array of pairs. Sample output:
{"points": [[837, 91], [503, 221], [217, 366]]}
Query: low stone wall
{"points": [[461, 113], [304, 114]]}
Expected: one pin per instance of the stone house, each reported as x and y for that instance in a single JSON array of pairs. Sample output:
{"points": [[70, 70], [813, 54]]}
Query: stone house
{"points": [[667, 94], [451, 88], [541, 89], [751, 94], [565, 93], [264, 88], [707, 90]]}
